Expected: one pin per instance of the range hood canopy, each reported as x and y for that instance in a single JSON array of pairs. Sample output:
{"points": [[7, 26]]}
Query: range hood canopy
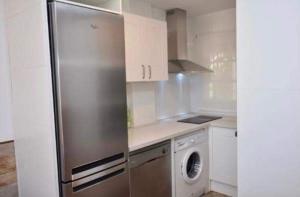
{"points": [[177, 44]]}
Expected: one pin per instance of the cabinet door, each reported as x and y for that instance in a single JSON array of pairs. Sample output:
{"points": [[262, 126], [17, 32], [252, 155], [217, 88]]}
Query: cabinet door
{"points": [[158, 50], [146, 49], [224, 156], [135, 68]]}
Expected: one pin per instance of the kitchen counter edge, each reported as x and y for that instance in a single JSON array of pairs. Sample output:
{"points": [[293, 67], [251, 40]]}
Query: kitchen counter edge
{"points": [[167, 127]]}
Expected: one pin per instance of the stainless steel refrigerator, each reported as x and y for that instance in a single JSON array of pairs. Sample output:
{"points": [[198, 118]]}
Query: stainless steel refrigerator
{"points": [[89, 86]]}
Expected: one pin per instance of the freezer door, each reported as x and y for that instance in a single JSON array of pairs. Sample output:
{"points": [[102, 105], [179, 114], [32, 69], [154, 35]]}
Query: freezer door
{"points": [[109, 183], [88, 66]]}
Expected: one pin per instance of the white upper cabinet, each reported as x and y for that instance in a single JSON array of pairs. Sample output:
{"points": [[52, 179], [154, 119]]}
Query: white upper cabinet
{"points": [[146, 49]]}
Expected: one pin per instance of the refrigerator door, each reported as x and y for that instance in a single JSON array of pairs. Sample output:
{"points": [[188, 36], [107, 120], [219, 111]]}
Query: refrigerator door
{"points": [[88, 66]]}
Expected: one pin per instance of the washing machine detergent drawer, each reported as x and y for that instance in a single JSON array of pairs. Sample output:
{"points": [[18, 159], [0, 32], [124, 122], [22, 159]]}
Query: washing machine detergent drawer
{"points": [[186, 141]]}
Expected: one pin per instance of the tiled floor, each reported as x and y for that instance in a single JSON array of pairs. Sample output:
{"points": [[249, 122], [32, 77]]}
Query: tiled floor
{"points": [[8, 175], [214, 194]]}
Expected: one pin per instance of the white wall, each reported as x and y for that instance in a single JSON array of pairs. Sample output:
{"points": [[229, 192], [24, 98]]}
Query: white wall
{"points": [[268, 70], [6, 131], [33, 116], [212, 43]]}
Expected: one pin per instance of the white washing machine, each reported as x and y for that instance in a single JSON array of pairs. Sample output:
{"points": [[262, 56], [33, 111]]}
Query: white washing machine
{"points": [[192, 164]]}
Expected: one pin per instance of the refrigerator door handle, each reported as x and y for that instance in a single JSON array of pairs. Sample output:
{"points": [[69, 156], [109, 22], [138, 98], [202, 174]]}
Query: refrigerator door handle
{"points": [[98, 177]]}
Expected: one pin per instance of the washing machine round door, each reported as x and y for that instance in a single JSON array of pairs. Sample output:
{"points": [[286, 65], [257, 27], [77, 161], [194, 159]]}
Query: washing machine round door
{"points": [[192, 166]]}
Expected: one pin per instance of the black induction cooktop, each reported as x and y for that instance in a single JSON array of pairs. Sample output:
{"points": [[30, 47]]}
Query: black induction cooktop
{"points": [[200, 119]]}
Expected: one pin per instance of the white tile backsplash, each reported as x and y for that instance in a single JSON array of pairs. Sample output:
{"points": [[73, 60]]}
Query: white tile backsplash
{"points": [[141, 102], [173, 96], [150, 101], [212, 43]]}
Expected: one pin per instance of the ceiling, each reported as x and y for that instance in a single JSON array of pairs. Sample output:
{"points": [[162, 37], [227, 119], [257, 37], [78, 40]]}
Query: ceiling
{"points": [[195, 7]]}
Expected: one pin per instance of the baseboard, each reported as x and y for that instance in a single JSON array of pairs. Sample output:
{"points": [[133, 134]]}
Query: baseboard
{"points": [[223, 188]]}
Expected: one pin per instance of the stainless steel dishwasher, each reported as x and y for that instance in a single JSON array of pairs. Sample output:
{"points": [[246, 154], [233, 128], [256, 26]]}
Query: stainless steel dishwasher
{"points": [[150, 171]]}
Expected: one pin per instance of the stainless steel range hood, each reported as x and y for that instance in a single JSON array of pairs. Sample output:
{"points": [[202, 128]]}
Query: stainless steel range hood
{"points": [[177, 44]]}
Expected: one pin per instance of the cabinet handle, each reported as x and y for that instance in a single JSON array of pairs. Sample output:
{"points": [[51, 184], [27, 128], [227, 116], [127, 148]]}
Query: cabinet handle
{"points": [[235, 134], [143, 72], [150, 71]]}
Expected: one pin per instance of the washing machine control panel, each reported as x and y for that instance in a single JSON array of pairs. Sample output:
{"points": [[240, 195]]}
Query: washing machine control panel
{"points": [[189, 140]]}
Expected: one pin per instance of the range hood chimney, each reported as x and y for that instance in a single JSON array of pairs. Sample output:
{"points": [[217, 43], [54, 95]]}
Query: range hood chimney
{"points": [[177, 44]]}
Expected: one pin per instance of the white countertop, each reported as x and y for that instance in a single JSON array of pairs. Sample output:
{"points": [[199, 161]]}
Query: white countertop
{"points": [[226, 122], [140, 137]]}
